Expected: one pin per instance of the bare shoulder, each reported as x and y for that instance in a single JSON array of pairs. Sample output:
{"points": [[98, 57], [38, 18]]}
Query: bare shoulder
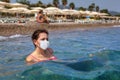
{"points": [[28, 58]]}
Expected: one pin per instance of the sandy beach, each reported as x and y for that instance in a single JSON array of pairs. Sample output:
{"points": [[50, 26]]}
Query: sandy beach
{"points": [[8, 29]]}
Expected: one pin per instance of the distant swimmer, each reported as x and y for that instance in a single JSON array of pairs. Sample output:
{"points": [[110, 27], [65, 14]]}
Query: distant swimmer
{"points": [[41, 18], [42, 51]]}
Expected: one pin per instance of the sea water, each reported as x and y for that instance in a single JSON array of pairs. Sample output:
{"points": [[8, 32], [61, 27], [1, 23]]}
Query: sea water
{"points": [[84, 54]]}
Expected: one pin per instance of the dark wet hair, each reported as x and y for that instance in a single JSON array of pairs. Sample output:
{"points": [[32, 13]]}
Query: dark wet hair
{"points": [[41, 11], [36, 33]]}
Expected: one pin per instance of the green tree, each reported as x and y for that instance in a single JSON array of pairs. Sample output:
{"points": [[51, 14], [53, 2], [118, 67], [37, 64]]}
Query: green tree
{"points": [[72, 5], [90, 8], [8, 1], [56, 3], [64, 2], [33, 5], [50, 5], [82, 9], [39, 2], [118, 15], [97, 9], [93, 6], [27, 2], [104, 11]]}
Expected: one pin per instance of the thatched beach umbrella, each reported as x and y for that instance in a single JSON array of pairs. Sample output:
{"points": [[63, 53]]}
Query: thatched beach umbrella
{"points": [[94, 13], [3, 3], [18, 10], [28, 12], [14, 10], [52, 8], [82, 12], [75, 12], [103, 14], [18, 5], [2, 9], [34, 11], [36, 8], [70, 12], [66, 12], [52, 11], [88, 12], [110, 17]]}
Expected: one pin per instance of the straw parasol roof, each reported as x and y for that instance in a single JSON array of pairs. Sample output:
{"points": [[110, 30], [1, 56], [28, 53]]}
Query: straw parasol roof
{"points": [[52, 11], [14, 11], [110, 17], [82, 12], [18, 10], [3, 3], [70, 12], [2, 9], [93, 13], [103, 14], [66, 11], [36, 8], [88, 12], [27, 12], [52, 8], [18, 5], [34, 11], [5, 10], [75, 12]]}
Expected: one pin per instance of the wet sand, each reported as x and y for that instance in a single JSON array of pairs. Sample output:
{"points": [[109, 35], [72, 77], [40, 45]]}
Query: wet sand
{"points": [[8, 29]]}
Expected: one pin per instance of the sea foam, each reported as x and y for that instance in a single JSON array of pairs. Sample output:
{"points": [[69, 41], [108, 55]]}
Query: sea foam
{"points": [[116, 26], [3, 38], [11, 37]]}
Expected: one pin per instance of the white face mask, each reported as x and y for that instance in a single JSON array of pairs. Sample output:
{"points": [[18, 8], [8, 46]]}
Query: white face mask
{"points": [[44, 44]]}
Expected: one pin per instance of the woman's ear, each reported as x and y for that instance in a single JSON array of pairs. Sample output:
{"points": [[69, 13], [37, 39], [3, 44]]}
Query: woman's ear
{"points": [[35, 42]]}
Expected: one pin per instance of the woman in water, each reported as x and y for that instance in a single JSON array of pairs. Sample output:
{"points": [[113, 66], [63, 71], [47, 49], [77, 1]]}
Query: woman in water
{"points": [[41, 43], [41, 18]]}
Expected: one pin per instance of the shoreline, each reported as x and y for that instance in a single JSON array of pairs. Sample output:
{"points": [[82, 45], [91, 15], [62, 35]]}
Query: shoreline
{"points": [[9, 29]]}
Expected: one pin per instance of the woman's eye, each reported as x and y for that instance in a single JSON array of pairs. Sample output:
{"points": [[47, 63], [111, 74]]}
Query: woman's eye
{"points": [[44, 39]]}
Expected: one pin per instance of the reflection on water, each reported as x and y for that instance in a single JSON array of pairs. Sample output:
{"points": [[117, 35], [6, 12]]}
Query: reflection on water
{"points": [[83, 55]]}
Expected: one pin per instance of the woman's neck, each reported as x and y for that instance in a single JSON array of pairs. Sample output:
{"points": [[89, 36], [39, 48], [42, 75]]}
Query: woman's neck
{"points": [[39, 51]]}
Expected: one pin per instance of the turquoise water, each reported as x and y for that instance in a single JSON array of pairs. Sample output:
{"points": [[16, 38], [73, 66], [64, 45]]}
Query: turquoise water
{"points": [[73, 49]]}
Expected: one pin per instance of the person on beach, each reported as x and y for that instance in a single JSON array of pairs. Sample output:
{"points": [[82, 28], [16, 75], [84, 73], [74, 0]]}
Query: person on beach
{"points": [[42, 51], [41, 18]]}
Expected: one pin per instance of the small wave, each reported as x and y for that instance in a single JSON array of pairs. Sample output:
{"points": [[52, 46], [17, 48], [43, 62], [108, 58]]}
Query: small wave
{"points": [[15, 36], [3, 38], [11, 37], [116, 26]]}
